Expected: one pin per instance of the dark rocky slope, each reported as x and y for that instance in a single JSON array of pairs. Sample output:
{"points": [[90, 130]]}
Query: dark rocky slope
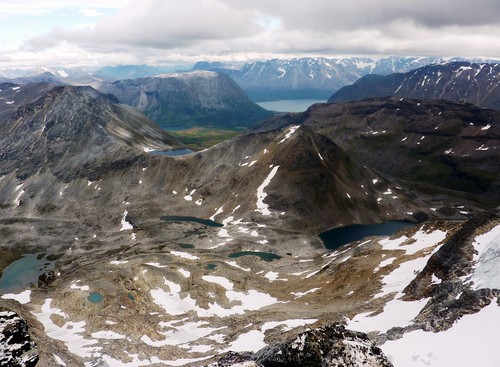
{"points": [[193, 99], [453, 146], [329, 346], [476, 83], [73, 164], [17, 349]]}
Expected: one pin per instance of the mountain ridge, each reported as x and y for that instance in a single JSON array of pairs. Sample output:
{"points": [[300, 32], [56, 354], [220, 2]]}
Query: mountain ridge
{"points": [[459, 81], [197, 98]]}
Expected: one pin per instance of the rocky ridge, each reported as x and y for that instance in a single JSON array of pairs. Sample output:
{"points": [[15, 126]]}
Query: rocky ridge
{"points": [[477, 83], [448, 145]]}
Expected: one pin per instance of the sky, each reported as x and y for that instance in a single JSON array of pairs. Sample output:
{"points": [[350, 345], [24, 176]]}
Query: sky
{"points": [[167, 32]]}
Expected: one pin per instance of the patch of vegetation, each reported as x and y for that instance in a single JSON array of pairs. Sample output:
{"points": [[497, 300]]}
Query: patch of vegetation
{"points": [[200, 138]]}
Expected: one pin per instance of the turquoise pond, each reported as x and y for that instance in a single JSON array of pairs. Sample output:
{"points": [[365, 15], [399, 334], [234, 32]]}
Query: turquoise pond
{"points": [[337, 237], [24, 273], [266, 256], [95, 297], [180, 218], [172, 153]]}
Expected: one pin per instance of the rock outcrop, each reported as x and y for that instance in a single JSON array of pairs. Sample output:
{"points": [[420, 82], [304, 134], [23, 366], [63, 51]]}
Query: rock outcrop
{"points": [[16, 347], [329, 346]]}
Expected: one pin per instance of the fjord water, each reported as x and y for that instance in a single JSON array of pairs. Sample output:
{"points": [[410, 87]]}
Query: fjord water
{"points": [[337, 237], [24, 273], [289, 105]]}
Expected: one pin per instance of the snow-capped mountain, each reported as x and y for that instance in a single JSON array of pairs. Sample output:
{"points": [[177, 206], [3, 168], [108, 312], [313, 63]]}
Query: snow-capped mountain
{"points": [[477, 83], [314, 77]]}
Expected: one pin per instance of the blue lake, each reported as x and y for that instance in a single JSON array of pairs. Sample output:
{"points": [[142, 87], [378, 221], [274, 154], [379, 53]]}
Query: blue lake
{"points": [[266, 256], [180, 218], [337, 237], [289, 105], [23, 273]]}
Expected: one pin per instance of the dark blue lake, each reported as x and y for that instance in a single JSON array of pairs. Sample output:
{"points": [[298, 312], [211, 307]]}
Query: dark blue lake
{"points": [[337, 237], [266, 256], [172, 153], [180, 218]]}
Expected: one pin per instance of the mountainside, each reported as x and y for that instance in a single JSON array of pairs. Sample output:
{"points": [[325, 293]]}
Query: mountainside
{"points": [[199, 98], [458, 81], [115, 256], [450, 145]]}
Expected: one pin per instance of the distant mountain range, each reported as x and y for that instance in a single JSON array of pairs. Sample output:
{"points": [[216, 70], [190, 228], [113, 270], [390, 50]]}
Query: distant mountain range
{"points": [[299, 78], [313, 78], [477, 83], [191, 99]]}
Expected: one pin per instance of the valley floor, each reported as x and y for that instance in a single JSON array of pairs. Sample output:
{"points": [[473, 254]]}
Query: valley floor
{"points": [[185, 303]]}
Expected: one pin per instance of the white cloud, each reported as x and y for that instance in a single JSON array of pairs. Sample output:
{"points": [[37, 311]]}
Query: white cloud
{"points": [[191, 30], [91, 12]]}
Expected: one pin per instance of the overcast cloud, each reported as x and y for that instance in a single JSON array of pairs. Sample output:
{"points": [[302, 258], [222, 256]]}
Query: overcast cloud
{"points": [[167, 31]]}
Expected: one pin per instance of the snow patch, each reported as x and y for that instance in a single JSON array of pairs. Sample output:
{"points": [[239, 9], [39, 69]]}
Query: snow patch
{"points": [[290, 132], [125, 225], [261, 195], [23, 297]]}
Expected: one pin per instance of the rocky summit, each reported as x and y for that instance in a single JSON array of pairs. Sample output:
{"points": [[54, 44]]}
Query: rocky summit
{"points": [[115, 255]]}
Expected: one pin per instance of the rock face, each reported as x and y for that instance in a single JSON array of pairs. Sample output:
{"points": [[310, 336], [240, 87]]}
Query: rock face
{"points": [[73, 132], [16, 347], [450, 145], [193, 99], [329, 346], [476, 83]]}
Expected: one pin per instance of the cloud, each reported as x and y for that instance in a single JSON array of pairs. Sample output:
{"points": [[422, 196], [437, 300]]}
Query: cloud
{"points": [[239, 29], [91, 12]]}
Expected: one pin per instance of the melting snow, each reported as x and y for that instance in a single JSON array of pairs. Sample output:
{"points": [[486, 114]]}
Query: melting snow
{"points": [[251, 341], [291, 131], [217, 212], [302, 294], [185, 273], [184, 255], [23, 297], [453, 346], [125, 224], [261, 195], [69, 333], [486, 271], [117, 262]]}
